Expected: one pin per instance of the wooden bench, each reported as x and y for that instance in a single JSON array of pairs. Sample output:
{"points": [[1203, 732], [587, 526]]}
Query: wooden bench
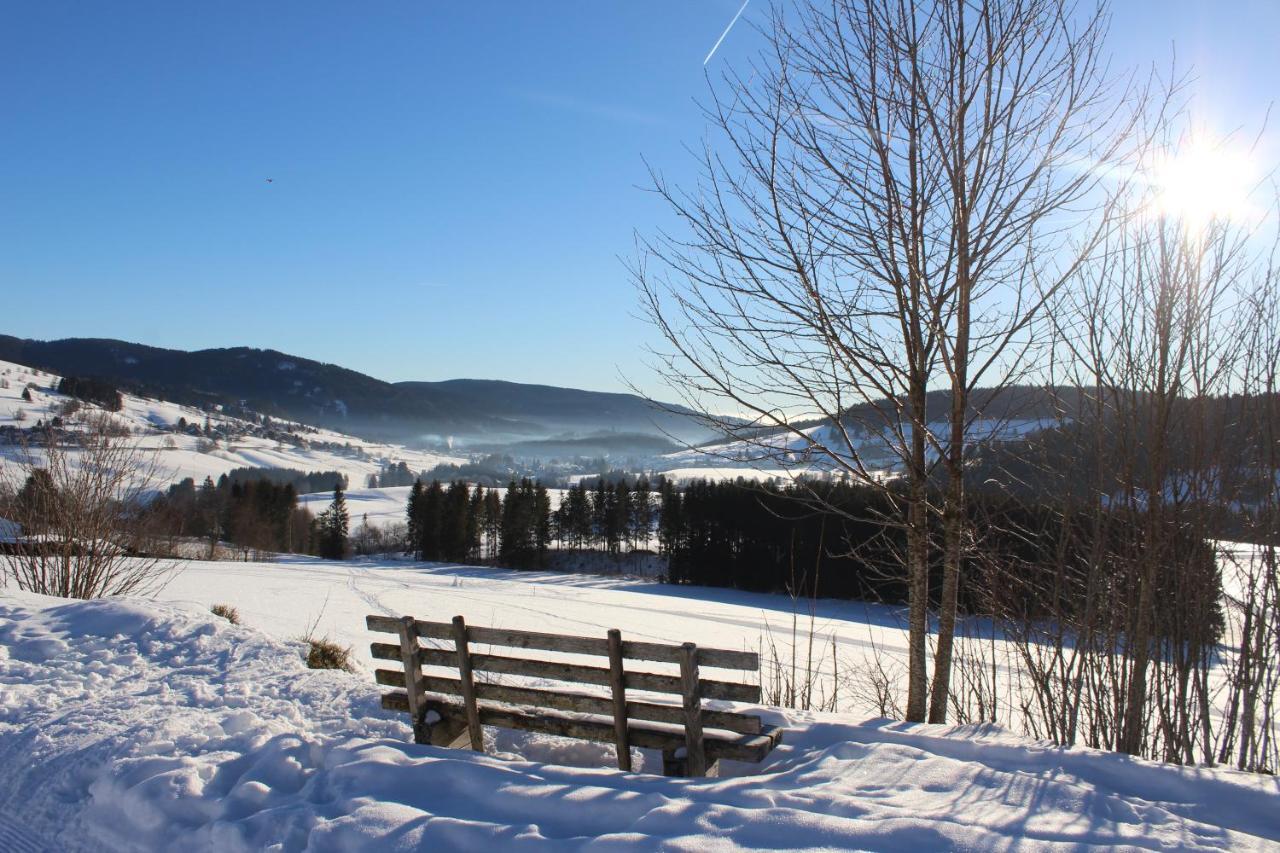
{"points": [[449, 710]]}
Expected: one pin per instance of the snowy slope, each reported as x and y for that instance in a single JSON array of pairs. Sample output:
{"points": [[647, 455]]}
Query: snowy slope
{"points": [[177, 455], [796, 452], [135, 726]]}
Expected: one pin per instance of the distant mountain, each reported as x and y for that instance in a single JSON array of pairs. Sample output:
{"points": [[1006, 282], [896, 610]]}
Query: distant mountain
{"points": [[276, 383]]}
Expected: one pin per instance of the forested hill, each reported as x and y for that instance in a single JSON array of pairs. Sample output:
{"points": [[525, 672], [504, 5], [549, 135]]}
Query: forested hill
{"points": [[288, 386]]}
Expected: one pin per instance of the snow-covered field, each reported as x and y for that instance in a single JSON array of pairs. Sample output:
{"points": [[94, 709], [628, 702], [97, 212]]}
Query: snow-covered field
{"points": [[178, 455], [131, 725]]}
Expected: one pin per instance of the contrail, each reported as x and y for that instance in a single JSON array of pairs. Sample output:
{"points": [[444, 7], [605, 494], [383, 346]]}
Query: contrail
{"points": [[726, 31]]}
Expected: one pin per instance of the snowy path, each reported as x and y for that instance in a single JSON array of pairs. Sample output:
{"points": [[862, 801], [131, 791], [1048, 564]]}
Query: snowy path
{"points": [[137, 726]]}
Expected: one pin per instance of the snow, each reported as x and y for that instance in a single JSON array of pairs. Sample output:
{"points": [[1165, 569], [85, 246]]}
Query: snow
{"points": [[797, 453], [132, 725], [682, 476], [384, 507], [179, 455]]}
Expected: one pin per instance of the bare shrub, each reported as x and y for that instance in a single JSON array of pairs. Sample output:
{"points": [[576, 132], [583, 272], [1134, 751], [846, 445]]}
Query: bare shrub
{"points": [[324, 653], [874, 684], [107, 424], [793, 675], [78, 497], [226, 611]]}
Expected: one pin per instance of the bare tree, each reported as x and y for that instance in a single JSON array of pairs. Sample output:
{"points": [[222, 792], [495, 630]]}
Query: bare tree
{"points": [[1252, 586], [78, 495], [902, 185]]}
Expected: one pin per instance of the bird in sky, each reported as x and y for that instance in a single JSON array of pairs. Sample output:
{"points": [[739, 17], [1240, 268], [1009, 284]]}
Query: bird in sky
{"points": [[271, 180]]}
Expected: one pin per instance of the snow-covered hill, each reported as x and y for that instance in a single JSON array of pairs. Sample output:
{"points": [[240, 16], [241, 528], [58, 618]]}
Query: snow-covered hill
{"points": [[178, 454], [782, 453], [127, 725]]}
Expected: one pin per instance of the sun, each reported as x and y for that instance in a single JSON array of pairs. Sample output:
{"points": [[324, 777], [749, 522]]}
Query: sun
{"points": [[1205, 180]]}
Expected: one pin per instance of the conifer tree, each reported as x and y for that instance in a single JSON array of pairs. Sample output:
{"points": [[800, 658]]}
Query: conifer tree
{"points": [[492, 522], [641, 514], [475, 522], [334, 524], [453, 525], [413, 516], [429, 531], [599, 512], [541, 521]]}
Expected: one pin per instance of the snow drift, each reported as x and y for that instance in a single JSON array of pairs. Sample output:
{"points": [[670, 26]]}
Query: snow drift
{"points": [[129, 725]]}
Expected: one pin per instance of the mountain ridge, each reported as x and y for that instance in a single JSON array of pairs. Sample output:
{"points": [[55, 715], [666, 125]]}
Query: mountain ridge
{"points": [[325, 394]]}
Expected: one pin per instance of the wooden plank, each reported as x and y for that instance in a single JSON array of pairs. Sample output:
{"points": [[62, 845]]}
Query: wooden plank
{"points": [[468, 684], [618, 689], [730, 692], [595, 675], [662, 652], [577, 702], [735, 747], [541, 641], [714, 658], [395, 701], [695, 754], [391, 625], [413, 680]]}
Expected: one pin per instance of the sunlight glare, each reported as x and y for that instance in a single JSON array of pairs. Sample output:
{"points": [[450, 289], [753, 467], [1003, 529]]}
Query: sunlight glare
{"points": [[1205, 181]]}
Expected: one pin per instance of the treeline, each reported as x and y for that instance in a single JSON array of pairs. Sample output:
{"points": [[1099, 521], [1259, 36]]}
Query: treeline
{"points": [[391, 474], [303, 482], [832, 539], [259, 515], [461, 523], [91, 390], [606, 515], [827, 539]]}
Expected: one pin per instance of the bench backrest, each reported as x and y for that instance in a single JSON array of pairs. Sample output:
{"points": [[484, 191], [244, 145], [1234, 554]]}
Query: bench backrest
{"points": [[614, 674]]}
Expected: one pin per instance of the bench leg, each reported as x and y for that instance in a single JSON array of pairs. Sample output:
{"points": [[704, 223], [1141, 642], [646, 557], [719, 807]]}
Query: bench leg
{"points": [[462, 740], [676, 765], [446, 732], [422, 729]]}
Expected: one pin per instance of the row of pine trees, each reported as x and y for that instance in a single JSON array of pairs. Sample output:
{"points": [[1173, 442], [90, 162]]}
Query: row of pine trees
{"points": [[260, 515], [462, 523], [465, 524], [726, 534]]}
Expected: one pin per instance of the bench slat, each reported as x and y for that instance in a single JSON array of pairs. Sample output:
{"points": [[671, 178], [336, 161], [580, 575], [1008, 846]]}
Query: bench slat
{"points": [[746, 747], [582, 674], [582, 703], [660, 652], [574, 673]]}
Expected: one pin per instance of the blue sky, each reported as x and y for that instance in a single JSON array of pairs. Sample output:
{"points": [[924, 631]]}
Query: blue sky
{"points": [[452, 183]]}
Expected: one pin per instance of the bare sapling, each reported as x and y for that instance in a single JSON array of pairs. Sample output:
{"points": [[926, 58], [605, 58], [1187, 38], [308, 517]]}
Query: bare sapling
{"points": [[79, 495]]}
